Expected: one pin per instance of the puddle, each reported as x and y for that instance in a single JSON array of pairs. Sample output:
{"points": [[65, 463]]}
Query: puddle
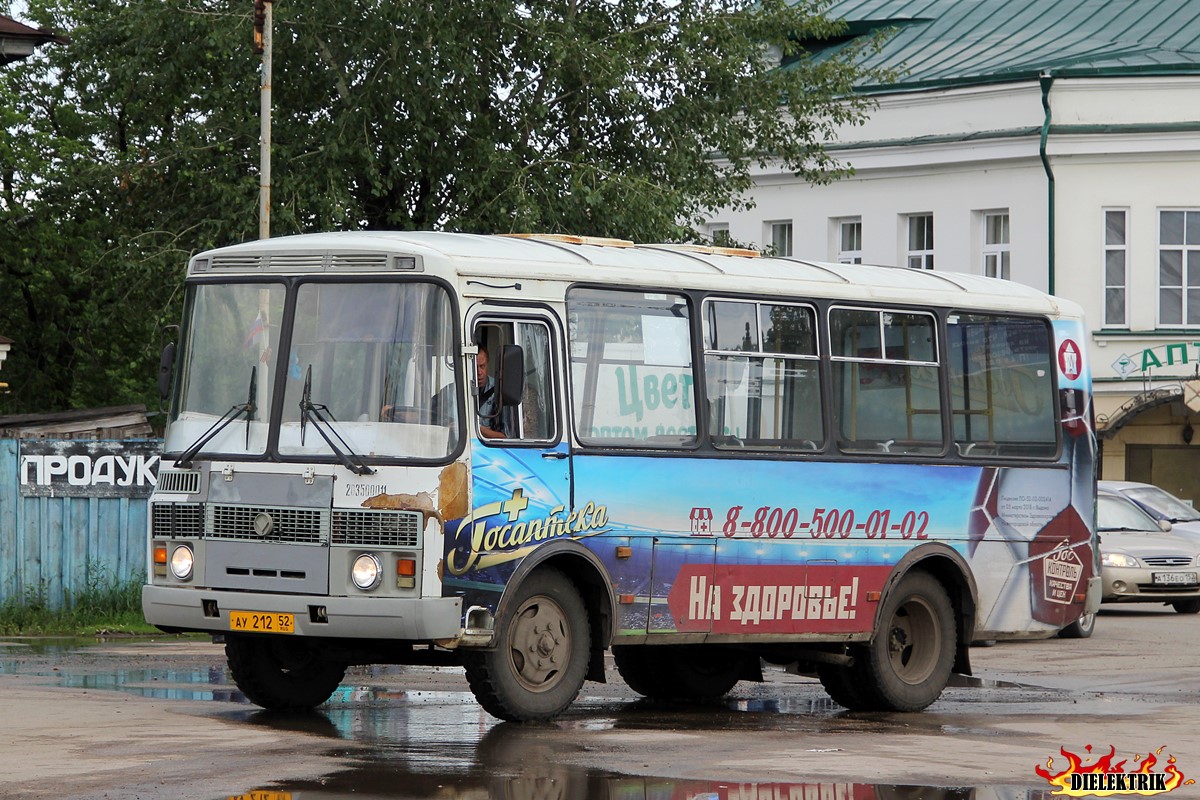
{"points": [[550, 782]]}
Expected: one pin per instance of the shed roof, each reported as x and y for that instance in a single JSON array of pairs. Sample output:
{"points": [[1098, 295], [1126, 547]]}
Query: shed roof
{"points": [[17, 40], [942, 43]]}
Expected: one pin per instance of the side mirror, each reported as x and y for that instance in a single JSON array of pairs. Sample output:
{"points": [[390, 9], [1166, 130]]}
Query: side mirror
{"points": [[166, 363], [512, 374], [1165, 524]]}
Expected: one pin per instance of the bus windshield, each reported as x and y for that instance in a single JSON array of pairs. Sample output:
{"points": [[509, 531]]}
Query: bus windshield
{"points": [[230, 333], [373, 353], [371, 362]]}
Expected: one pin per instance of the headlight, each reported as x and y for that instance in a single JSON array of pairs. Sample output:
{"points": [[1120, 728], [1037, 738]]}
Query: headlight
{"points": [[367, 572], [1118, 560], [182, 562]]}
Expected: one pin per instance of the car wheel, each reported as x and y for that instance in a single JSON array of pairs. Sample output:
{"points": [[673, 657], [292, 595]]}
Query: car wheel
{"points": [[1187, 606], [1081, 628]]}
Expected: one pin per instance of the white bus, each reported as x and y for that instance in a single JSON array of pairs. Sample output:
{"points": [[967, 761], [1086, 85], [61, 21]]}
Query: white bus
{"points": [[513, 453]]}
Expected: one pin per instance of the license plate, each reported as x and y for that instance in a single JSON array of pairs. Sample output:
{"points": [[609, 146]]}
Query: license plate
{"points": [[1174, 578], [262, 622], [262, 795]]}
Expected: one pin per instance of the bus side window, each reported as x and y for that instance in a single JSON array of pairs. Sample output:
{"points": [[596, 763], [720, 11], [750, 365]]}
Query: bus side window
{"points": [[886, 381], [762, 376], [1001, 386]]}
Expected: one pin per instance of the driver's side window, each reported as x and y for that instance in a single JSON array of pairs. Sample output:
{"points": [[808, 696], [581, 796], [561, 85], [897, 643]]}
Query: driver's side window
{"points": [[532, 417]]}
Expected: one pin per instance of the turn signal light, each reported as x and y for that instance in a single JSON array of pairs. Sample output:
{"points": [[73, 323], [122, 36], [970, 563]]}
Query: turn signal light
{"points": [[160, 554], [406, 567]]}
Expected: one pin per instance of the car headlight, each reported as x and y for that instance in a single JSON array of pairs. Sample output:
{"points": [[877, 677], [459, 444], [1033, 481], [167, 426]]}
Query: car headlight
{"points": [[367, 572], [182, 562], [1118, 560]]}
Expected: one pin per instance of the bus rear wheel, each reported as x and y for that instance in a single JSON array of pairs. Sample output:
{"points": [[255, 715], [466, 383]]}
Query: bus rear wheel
{"points": [[541, 658], [908, 662], [282, 674], [679, 672]]}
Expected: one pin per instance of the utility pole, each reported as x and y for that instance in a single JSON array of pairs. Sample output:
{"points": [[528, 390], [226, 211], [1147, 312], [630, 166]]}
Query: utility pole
{"points": [[262, 44]]}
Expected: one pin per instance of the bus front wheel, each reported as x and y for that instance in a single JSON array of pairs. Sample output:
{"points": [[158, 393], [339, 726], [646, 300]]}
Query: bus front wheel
{"points": [[908, 662], [281, 674], [541, 657]]}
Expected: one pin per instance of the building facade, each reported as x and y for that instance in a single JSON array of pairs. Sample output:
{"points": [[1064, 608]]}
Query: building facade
{"points": [[1051, 142]]}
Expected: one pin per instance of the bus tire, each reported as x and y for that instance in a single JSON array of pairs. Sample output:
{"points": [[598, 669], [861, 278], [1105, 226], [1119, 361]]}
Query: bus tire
{"points": [[908, 662], [541, 657], [282, 674], [847, 685], [679, 672], [1082, 628], [636, 666]]}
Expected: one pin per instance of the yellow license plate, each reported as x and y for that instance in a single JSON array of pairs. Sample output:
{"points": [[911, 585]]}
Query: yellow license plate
{"points": [[262, 622], [262, 795]]}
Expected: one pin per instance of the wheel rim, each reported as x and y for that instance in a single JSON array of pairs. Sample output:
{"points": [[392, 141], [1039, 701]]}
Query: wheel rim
{"points": [[539, 644], [1086, 621], [914, 641]]}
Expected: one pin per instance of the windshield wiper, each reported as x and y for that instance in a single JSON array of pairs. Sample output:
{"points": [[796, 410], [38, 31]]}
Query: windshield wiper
{"points": [[310, 410], [185, 458]]}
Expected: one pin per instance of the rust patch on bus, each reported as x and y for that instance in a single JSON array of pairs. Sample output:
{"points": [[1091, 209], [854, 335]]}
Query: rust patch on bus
{"points": [[421, 501], [452, 491]]}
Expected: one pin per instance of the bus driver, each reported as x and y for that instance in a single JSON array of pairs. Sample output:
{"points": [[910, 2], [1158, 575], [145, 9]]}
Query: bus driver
{"points": [[495, 422]]}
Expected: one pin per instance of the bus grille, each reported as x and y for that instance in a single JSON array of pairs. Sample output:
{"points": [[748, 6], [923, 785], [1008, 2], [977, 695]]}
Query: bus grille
{"points": [[170, 480], [177, 520], [377, 528], [293, 525]]}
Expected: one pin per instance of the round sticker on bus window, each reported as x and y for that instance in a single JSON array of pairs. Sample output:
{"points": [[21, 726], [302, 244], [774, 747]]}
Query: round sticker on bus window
{"points": [[1069, 361]]}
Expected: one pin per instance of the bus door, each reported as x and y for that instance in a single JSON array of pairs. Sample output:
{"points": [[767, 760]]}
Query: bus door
{"points": [[520, 465]]}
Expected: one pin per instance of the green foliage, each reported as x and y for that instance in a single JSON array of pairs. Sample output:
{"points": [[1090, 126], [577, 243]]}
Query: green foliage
{"points": [[105, 603], [137, 145]]}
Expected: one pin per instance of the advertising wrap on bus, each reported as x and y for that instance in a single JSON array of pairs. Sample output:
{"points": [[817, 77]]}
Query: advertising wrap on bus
{"points": [[513, 454]]}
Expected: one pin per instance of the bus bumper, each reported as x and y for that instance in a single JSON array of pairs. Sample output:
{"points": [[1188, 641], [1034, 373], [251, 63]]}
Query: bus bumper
{"points": [[1095, 590], [411, 619]]}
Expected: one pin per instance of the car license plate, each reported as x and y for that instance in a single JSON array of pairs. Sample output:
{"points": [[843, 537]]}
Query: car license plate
{"points": [[1174, 578], [262, 622]]}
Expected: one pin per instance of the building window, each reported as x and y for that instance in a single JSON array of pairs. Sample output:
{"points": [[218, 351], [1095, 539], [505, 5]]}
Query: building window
{"points": [[781, 238], [1116, 268], [849, 241], [1179, 267], [718, 234], [995, 244], [920, 241]]}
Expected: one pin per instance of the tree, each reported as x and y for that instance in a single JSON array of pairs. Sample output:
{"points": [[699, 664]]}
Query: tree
{"points": [[137, 144]]}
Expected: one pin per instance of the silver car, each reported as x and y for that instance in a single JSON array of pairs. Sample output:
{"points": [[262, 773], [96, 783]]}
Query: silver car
{"points": [[1142, 563], [1160, 504]]}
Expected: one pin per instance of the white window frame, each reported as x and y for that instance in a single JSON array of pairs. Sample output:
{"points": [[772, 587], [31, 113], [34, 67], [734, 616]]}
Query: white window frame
{"points": [[777, 232], [848, 255], [1188, 251], [918, 257], [718, 234], [997, 256], [1115, 251]]}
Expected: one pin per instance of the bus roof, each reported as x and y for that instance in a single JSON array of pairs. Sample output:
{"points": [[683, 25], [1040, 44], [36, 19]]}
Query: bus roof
{"points": [[554, 261]]}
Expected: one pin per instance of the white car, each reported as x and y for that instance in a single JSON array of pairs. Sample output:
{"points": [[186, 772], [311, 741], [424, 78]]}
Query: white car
{"points": [[1140, 562]]}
